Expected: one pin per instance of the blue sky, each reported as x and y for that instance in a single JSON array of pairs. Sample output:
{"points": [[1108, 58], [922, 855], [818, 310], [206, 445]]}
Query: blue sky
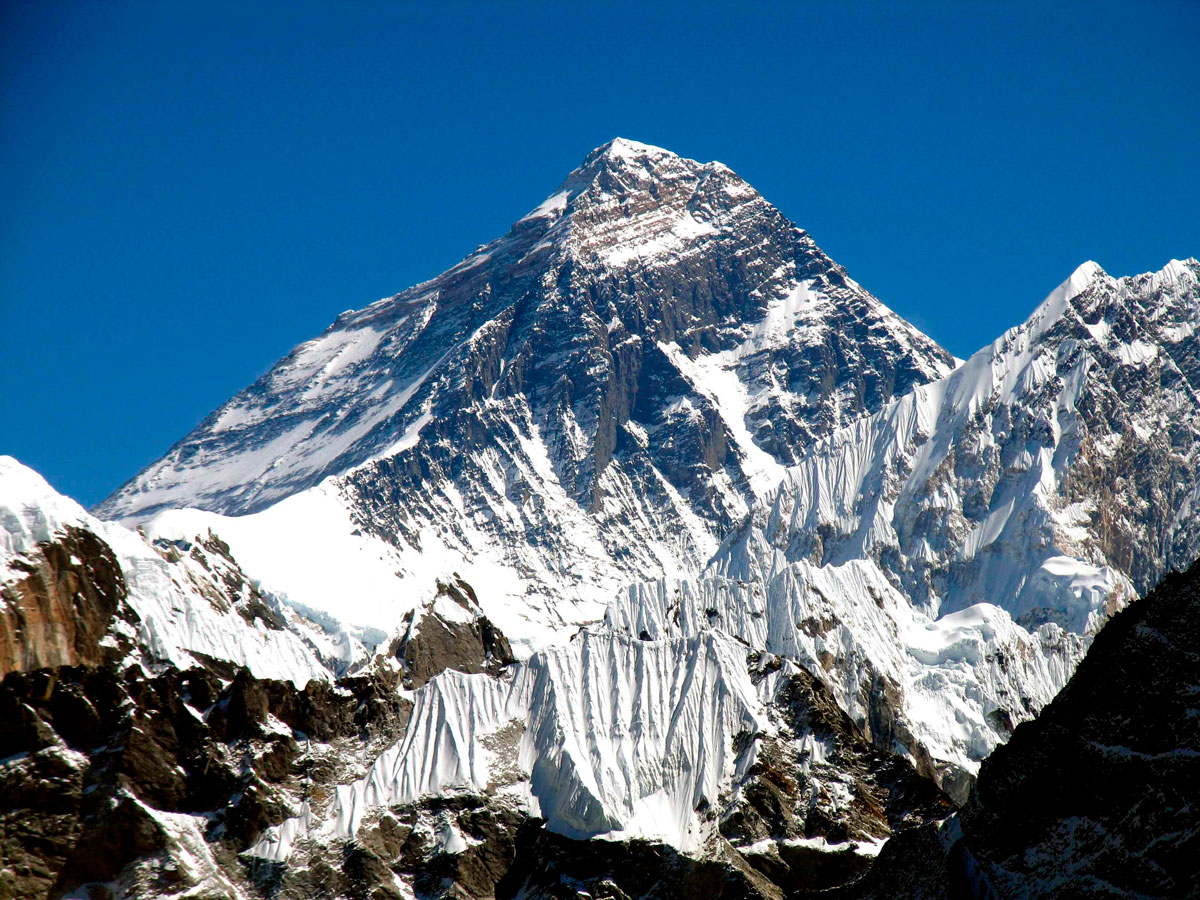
{"points": [[189, 190]]}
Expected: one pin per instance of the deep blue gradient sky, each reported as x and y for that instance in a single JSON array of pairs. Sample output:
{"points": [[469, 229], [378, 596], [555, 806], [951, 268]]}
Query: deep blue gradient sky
{"points": [[189, 190]]}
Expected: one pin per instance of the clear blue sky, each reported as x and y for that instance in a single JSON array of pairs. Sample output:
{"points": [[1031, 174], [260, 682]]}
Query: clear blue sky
{"points": [[187, 190]]}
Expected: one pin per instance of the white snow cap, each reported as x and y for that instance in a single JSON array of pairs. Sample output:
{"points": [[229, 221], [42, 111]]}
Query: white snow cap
{"points": [[627, 149]]}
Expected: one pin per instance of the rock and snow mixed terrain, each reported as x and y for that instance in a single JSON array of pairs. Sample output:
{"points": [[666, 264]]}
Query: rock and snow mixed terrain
{"points": [[642, 527], [179, 605], [593, 399], [1094, 798]]}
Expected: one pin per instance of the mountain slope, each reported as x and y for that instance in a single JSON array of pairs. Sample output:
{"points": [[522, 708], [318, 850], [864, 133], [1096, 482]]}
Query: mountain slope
{"points": [[1094, 797], [78, 591], [941, 687], [594, 398], [145, 754]]}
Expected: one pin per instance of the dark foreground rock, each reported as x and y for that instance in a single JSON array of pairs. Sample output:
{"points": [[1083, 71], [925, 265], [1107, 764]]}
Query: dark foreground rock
{"points": [[125, 783], [105, 773]]}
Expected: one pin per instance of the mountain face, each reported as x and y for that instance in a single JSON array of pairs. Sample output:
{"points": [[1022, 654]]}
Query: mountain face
{"points": [[996, 516], [594, 398], [642, 553]]}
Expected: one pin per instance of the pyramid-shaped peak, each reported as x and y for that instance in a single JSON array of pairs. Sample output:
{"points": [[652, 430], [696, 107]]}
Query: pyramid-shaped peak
{"points": [[621, 154], [1085, 273], [623, 167]]}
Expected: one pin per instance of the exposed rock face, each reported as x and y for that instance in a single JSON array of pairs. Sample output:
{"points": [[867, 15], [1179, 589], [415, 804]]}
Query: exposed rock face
{"points": [[157, 782], [464, 848], [451, 632], [1095, 797], [78, 590], [58, 614], [791, 813], [212, 554]]}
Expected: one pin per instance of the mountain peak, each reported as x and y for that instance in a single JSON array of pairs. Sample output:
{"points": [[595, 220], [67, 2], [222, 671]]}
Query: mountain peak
{"points": [[624, 185], [1177, 270], [609, 163], [1052, 308], [614, 168], [1080, 280], [623, 148], [637, 249]]}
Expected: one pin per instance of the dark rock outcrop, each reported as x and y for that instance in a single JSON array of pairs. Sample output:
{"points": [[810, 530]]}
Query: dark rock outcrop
{"points": [[58, 614], [853, 794], [461, 638], [93, 756]]}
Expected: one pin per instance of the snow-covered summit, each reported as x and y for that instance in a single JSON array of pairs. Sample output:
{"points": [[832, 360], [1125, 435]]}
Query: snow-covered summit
{"points": [[624, 148], [623, 155], [628, 201], [594, 397]]}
